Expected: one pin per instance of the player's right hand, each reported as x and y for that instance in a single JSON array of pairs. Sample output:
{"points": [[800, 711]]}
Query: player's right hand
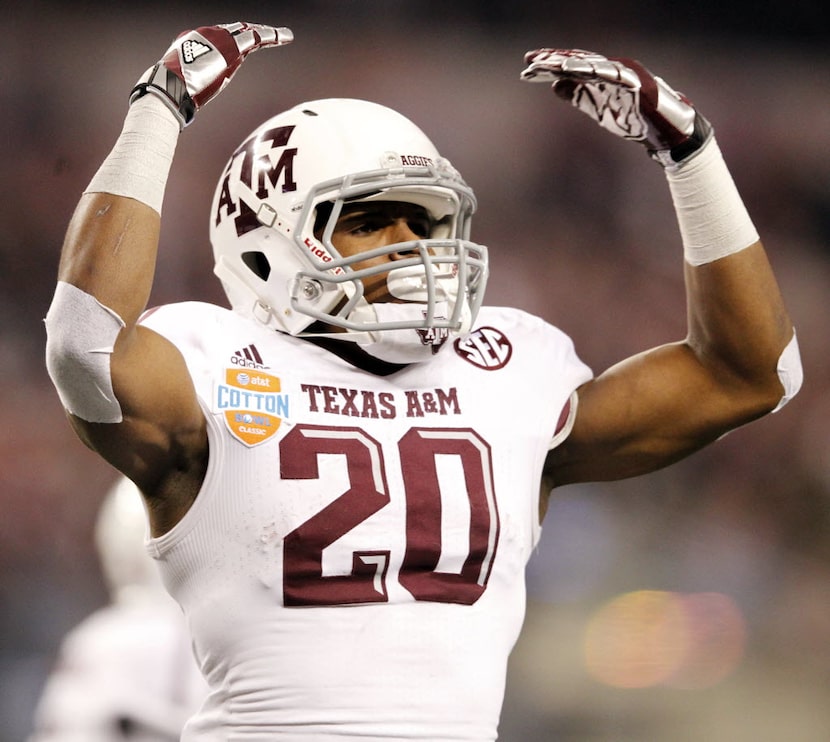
{"points": [[199, 63]]}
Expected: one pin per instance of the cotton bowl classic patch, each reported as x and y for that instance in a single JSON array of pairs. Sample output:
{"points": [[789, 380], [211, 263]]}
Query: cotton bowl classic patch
{"points": [[251, 403]]}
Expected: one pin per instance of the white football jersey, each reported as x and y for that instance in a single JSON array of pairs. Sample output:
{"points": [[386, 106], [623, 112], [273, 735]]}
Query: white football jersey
{"points": [[353, 567]]}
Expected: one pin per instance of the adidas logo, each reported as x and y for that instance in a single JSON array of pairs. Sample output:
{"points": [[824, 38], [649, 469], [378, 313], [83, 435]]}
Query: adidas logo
{"points": [[248, 357], [192, 50]]}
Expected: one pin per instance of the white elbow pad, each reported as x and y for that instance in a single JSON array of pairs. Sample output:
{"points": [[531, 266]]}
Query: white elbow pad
{"points": [[80, 335], [790, 371]]}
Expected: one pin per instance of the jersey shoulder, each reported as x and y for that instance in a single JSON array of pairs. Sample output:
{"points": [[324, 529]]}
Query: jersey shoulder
{"points": [[198, 328], [186, 314], [522, 324], [535, 340]]}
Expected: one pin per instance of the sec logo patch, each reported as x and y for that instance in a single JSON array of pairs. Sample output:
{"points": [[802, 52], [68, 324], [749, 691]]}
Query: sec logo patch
{"points": [[486, 347]]}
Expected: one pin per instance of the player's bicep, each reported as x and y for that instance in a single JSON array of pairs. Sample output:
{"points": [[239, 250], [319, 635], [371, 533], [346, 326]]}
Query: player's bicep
{"points": [[151, 380], [643, 414], [162, 426]]}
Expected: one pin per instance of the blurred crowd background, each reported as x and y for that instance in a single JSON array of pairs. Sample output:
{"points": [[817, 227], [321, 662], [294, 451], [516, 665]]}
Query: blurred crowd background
{"points": [[689, 605]]}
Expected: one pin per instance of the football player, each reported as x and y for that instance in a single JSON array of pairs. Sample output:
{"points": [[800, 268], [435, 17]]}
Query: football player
{"points": [[342, 472]]}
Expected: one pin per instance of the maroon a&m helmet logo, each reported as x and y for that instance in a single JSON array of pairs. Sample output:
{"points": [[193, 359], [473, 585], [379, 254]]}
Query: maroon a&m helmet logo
{"points": [[486, 347]]}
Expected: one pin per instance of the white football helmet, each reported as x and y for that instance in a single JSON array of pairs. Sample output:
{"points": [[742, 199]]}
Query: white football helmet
{"points": [[273, 247]]}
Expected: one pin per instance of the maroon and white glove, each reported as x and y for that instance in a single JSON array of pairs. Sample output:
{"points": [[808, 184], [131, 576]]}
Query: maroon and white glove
{"points": [[199, 64], [623, 97]]}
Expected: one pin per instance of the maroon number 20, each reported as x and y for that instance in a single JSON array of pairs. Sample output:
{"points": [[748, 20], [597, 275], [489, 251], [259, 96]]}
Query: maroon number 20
{"points": [[303, 581]]}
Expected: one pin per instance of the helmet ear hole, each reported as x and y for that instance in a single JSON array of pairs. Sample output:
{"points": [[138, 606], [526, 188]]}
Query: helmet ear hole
{"points": [[258, 263]]}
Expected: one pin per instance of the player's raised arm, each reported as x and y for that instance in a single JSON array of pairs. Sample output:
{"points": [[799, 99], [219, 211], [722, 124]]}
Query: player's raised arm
{"points": [[740, 357], [126, 388]]}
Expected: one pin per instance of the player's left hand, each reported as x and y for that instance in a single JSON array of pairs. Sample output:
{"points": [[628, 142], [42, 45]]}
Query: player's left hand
{"points": [[623, 97], [200, 63]]}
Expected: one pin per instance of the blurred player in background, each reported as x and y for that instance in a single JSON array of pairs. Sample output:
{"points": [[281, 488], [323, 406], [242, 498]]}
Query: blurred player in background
{"points": [[342, 472], [127, 671]]}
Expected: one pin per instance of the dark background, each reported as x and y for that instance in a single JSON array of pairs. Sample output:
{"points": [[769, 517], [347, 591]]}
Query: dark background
{"points": [[581, 232]]}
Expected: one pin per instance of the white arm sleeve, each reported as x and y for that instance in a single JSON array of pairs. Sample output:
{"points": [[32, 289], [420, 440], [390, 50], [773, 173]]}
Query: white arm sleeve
{"points": [[80, 335]]}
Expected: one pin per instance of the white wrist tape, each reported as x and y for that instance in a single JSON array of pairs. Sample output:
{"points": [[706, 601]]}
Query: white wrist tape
{"points": [[139, 163], [80, 335], [712, 217], [790, 371]]}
